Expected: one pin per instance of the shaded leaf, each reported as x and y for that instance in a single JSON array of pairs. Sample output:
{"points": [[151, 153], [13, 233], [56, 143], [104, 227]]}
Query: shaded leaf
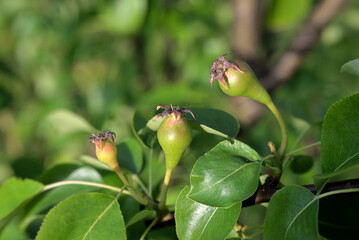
{"points": [[144, 214], [301, 164], [344, 220], [340, 139], [130, 207], [215, 121], [165, 233], [292, 214], [14, 192], [351, 67], [84, 216], [198, 221], [225, 175], [158, 169], [210, 120], [143, 130], [130, 155]]}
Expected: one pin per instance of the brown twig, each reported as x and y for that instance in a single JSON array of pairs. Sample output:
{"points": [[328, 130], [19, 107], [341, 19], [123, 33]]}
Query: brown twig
{"points": [[265, 192], [246, 28], [303, 41]]}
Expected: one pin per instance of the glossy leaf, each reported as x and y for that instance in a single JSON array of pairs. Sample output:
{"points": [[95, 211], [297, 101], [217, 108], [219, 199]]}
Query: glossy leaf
{"points": [[84, 216], [198, 221], [351, 67], [16, 191], [66, 122], [225, 175], [130, 155], [292, 214], [340, 142]]}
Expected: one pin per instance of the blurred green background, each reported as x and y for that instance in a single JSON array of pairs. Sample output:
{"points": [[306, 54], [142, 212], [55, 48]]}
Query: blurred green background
{"points": [[71, 67], [63, 62]]}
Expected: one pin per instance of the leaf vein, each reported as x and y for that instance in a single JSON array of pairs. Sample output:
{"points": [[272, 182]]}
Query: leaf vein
{"points": [[209, 219], [102, 214], [296, 216], [221, 180]]}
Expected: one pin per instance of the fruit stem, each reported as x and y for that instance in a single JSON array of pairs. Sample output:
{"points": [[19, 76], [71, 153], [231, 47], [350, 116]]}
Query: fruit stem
{"points": [[282, 126], [149, 228], [141, 200], [164, 189]]}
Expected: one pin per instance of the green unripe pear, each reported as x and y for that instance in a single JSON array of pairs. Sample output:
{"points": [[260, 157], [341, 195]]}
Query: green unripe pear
{"points": [[106, 151], [238, 79], [174, 135], [107, 154]]}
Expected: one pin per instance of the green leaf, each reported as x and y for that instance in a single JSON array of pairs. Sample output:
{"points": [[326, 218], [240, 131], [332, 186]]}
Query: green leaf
{"points": [[66, 122], [210, 120], [292, 214], [63, 172], [130, 155], [344, 220], [130, 207], [13, 231], [301, 164], [154, 123], [14, 192], [198, 221], [215, 121], [158, 169], [142, 129], [225, 175], [94, 162], [340, 141], [84, 216], [164, 233], [351, 67], [144, 214]]}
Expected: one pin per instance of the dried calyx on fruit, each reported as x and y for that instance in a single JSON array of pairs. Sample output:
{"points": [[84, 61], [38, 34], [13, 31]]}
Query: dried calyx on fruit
{"points": [[237, 79], [174, 133], [106, 151]]}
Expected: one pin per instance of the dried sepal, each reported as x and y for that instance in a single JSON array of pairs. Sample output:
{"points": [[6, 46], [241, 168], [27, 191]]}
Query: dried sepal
{"points": [[106, 135], [175, 110], [218, 69]]}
